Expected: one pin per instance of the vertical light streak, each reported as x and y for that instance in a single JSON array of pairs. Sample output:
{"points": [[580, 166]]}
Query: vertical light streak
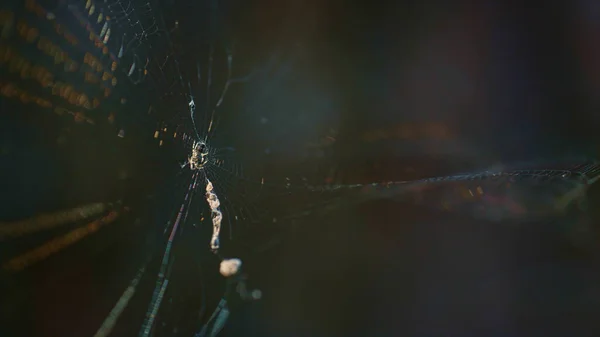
{"points": [[110, 321], [161, 294], [161, 282]]}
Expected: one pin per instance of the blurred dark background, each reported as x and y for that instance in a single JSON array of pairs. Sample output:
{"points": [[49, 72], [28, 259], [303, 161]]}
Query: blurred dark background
{"points": [[341, 93]]}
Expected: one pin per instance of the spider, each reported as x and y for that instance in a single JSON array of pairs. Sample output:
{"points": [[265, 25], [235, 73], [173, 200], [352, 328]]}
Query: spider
{"points": [[199, 156]]}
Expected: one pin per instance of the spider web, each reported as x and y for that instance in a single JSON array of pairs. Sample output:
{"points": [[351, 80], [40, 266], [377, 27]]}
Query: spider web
{"points": [[196, 85], [193, 87], [192, 96]]}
